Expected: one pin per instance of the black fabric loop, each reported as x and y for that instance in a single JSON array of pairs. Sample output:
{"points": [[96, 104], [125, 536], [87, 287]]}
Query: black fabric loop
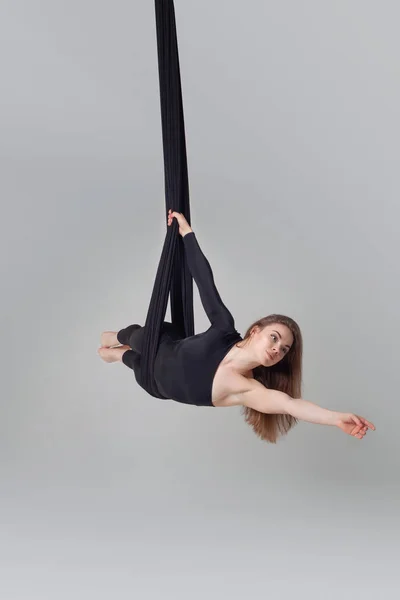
{"points": [[173, 277]]}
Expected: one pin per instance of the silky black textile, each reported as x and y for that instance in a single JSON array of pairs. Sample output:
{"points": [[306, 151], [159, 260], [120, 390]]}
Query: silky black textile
{"points": [[172, 278], [185, 366]]}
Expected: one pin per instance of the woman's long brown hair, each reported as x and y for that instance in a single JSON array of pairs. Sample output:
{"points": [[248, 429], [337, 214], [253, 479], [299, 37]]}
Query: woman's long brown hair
{"points": [[285, 376]]}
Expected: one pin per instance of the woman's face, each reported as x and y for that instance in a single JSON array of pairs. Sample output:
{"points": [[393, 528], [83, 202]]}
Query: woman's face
{"points": [[272, 343]]}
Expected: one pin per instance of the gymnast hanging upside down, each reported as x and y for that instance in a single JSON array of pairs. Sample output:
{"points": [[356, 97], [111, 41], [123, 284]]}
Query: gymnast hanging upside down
{"points": [[261, 372]]}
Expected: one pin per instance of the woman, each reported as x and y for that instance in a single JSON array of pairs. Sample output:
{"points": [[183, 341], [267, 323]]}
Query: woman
{"points": [[261, 372]]}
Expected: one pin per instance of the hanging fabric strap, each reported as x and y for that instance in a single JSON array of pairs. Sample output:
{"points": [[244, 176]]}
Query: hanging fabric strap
{"points": [[173, 276]]}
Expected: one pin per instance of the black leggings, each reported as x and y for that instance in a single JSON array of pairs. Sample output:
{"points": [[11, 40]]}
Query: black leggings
{"points": [[133, 336]]}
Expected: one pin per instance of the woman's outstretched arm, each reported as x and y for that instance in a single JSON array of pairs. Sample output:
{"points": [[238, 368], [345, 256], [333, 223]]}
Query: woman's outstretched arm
{"points": [[270, 401]]}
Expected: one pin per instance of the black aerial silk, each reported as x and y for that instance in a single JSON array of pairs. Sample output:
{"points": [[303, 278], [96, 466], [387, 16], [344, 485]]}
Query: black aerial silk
{"points": [[173, 277]]}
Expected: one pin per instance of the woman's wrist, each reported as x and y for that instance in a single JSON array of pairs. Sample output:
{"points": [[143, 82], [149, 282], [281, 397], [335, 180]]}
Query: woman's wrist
{"points": [[334, 418], [313, 413]]}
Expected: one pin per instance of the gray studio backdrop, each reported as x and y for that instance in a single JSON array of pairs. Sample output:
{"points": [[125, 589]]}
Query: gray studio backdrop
{"points": [[292, 127]]}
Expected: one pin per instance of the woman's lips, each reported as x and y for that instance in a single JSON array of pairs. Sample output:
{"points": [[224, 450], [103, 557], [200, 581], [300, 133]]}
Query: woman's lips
{"points": [[271, 357]]}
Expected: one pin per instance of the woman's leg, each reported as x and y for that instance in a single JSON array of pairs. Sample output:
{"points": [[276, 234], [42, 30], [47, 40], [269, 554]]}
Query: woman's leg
{"points": [[109, 339], [111, 355], [131, 336], [125, 355]]}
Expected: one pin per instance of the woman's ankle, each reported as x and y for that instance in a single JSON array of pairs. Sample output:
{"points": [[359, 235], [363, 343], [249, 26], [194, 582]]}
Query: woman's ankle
{"points": [[109, 339]]}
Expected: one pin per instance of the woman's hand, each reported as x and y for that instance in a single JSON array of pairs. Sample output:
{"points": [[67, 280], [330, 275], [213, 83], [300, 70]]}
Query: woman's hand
{"points": [[184, 226], [354, 425]]}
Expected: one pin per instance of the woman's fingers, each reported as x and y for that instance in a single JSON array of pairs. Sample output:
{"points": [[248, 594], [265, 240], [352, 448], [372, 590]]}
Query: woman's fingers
{"points": [[359, 431], [170, 216], [180, 218], [362, 433], [173, 214], [370, 425], [364, 423]]}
